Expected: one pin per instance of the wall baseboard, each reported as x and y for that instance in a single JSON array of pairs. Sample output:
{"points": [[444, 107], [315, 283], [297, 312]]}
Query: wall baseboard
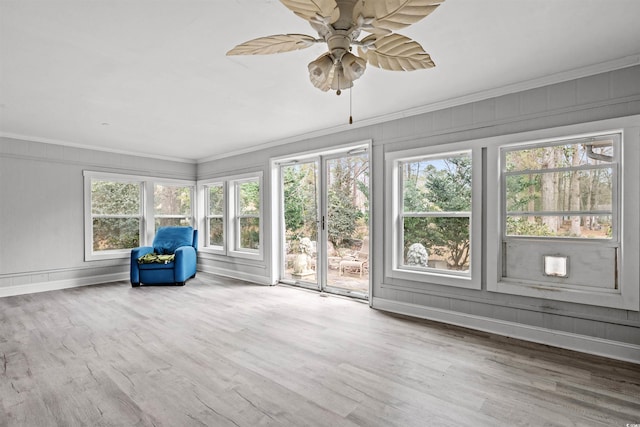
{"points": [[582, 343], [234, 274], [54, 285]]}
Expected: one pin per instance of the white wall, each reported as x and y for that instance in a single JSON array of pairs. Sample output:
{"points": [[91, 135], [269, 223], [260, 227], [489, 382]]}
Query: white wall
{"points": [[588, 328], [42, 213]]}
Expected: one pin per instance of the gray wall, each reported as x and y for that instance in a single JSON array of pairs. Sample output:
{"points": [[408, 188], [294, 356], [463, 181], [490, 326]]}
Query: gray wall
{"points": [[603, 96], [42, 210], [41, 196]]}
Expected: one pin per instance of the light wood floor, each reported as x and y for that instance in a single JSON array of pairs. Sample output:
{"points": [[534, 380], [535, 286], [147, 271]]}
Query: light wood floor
{"points": [[219, 352]]}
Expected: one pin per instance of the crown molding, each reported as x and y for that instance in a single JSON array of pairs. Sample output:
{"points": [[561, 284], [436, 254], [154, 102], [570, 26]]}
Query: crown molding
{"points": [[52, 141], [577, 73]]}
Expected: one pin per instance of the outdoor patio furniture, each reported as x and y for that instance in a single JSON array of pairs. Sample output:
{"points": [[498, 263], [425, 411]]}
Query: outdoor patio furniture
{"points": [[359, 261]]}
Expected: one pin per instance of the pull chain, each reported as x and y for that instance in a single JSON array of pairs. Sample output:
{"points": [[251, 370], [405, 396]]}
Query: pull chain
{"points": [[350, 105]]}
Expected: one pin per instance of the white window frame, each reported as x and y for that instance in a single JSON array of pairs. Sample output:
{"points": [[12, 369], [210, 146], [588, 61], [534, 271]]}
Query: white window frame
{"points": [[231, 217], [627, 293], [206, 215], [235, 217], [394, 267], [147, 211]]}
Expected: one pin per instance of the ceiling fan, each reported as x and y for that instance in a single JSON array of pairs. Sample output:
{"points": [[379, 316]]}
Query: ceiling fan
{"points": [[339, 24]]}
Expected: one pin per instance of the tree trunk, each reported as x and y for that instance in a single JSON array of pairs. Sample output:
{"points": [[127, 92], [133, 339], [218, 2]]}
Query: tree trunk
{"points": [[549, 189]]}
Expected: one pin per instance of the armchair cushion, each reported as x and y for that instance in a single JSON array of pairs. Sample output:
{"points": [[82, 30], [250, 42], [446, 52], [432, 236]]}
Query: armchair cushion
{"points": [[168, 239]]}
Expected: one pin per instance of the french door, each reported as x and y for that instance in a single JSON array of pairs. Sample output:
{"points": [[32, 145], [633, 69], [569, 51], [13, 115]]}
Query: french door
{"points": [[325, 223]]}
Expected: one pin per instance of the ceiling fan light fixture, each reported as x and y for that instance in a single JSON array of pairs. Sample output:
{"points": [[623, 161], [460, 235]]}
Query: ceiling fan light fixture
{"points": [[338, 24], [353, 66], [321, 71]]}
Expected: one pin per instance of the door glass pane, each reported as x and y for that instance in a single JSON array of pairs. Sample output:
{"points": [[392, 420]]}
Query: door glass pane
{"points": [[300, 203], [348, 224]]}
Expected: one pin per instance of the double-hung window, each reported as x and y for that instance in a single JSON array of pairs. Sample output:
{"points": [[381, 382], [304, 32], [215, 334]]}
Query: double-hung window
{"points": [[247, 214], [214, 215], [115, 214], [562, 215], [232, 215], [436, 214], [124, 211]]}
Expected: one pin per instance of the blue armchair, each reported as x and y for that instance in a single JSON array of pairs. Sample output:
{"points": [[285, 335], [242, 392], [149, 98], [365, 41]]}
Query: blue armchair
{"points": [[179, 241]]}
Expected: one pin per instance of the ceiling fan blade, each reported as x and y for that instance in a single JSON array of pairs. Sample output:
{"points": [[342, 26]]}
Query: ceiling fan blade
{"points": [[391, 15], [273, 44], [312, 10], [396, 53]]}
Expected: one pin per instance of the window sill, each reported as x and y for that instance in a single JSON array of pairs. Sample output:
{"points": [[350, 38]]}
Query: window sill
{"points": [[455, 280], [105, 255], [591, 296]]}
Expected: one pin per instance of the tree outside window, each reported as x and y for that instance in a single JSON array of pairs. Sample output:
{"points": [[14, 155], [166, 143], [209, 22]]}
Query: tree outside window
{"points": [[172, 205], [115, 214], [561, 190], [248, 214], [215, 214], [436, 211]]}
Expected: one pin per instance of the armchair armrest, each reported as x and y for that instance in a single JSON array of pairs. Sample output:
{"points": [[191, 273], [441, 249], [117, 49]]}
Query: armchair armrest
{"points": [[134, 270], [185, 263], [138, 252]]}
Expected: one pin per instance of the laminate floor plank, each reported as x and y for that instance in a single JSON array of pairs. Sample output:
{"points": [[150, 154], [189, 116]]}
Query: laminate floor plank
{"points": [[221, 352]]}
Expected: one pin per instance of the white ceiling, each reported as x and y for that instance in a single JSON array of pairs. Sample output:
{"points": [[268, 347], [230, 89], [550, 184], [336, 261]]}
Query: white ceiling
{"points": [[151, 76]]}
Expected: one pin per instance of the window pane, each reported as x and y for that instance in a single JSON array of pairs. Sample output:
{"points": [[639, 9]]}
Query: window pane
{"points": [[583, 152], [580, 190], [216, 200], [115, 233], [582, 226], [249, 200], [249, 233], [164, 222], [445, 239], [216, 231], [437, 185], [115, 198], [172, 200]]}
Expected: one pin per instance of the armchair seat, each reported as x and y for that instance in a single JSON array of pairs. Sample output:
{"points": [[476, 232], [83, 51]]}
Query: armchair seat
{"points": [[180, 241]]}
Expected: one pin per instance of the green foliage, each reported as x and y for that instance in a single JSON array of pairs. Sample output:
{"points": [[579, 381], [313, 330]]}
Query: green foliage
{"points": [[250, 233], [115, 198], [172, 200], [115, 233], [300, 206], [343, 216], [216, 231], [343, 210], [216, 200], [521, 227], [442, 185], [249, 197]]}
